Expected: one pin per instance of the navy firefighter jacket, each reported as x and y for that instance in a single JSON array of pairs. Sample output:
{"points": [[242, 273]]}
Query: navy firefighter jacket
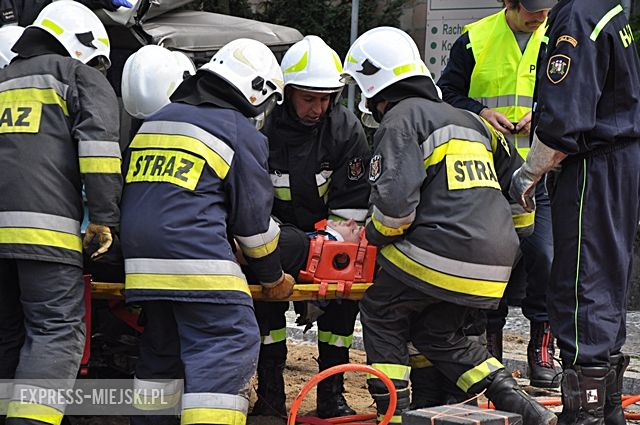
{"points": [[195, 175], [588, 83]]}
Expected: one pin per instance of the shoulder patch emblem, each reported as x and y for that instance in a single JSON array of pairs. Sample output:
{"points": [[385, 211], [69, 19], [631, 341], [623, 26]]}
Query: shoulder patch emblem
{"points": [[558, 68], [375, 168], [355, 169], [567, 39]]}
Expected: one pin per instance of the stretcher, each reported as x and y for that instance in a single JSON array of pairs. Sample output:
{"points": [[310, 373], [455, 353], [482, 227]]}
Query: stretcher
{"points": [[301, 291]]}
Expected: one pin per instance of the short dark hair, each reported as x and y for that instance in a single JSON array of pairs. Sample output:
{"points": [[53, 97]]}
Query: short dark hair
{"points": [[510, 4]]}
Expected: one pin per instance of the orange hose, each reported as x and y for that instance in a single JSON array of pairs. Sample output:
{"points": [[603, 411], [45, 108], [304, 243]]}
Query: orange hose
{"points": [[393, 398], [628, 400]]}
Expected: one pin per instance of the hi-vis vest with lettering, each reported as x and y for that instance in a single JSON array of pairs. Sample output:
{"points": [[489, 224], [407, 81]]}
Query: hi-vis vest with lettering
{"points": [[503, 77], [194, 175]]}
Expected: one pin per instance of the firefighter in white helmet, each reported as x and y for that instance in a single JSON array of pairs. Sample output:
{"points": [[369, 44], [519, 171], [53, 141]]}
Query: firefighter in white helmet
{"points": [[59, 129], [195, 173], [8, 37], [441, 218], [317, 159]]}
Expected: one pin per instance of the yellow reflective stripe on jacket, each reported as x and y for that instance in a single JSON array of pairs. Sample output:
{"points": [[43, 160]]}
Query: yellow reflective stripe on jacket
{"points": [[43, 96], [503, 77], [13, 235], [334, 339], [457, 147], [450, 132], [419, 361], [212, 416], [478, 373], [463, 285], [396, 419], [258, 246], [604, 21], [275, 336], [393, 371], [391, 226], [184, 275], [386, 230], [36, 412], [100, 165]]}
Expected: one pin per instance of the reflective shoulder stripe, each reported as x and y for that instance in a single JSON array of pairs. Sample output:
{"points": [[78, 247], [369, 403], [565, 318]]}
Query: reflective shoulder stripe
{"points": [[478, 373], [39, 221], [100, 165], [43, 96], [605, 20], [43, 81], [181, 135], [442, 135], [454, 267], [261, 245], [99, 148], [34, 412], [458, 147], [215, 400], [350, 213], [393, 371]]}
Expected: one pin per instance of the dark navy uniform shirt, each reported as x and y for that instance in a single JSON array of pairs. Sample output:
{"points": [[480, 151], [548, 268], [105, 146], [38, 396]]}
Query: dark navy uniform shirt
{"points": [[588, 86]]}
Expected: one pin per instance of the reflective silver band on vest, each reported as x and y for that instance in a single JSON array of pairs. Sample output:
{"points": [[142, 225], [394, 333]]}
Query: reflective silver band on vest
{"points": [[189, 130], [322, 177], [215, 401], [91, 148], [506, 101], [262, 238], [43, 81], [182, 267], [454, 267], [39, 221], [350, 213], [393, 222], [445, 134]]}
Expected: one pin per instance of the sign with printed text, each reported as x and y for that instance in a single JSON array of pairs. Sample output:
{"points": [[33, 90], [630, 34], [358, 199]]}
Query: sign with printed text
{"points": [[445, 21]]}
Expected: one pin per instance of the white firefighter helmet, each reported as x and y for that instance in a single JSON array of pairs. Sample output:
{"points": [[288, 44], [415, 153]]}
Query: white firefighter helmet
{"points": [[312, 65], [149, 78], [366, 116], [77, 28], [250, 67], [380, 57], [8, 37]]}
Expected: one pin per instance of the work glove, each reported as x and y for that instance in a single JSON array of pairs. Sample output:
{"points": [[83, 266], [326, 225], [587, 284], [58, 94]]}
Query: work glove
{"points": [[540, 160], [281, 289], [103, 233], [121, 3]]}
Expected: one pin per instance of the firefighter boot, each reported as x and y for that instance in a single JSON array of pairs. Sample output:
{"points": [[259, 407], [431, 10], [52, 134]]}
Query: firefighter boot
{"points": [[271, 397], [380, 395], [542, 371], [494, 343], [505, 394], [583, 395], [430, 388], [613, 413], [330, 401]]}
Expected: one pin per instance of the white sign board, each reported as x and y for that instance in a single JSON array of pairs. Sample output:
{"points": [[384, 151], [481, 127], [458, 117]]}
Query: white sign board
{"points": [[445, 21]]}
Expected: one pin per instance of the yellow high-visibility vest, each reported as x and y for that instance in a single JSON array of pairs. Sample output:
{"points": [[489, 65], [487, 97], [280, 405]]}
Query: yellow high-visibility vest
{"points": [[503, 77]]}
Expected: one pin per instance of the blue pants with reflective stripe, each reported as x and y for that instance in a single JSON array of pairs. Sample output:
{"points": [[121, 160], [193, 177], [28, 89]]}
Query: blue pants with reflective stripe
{"points": [[214, 347], [595, 209]]}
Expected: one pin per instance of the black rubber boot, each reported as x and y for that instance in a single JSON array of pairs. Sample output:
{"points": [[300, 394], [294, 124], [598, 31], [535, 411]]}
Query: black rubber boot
{"points": [[505, 394], [494, 343], [613, 413], [380, 395], [271, 396], [583, 395], [542, 371], [330, 401]]}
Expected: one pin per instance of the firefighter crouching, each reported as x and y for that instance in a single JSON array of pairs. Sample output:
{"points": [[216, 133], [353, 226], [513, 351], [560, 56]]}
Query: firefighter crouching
{"points": [[443, 223], [59, 129], [195, 174]]}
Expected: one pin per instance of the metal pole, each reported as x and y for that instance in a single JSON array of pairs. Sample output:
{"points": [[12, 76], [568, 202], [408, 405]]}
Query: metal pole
{"points": [[355, 6]]}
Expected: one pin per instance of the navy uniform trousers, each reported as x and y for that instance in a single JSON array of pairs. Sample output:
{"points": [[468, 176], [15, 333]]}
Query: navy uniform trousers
{"points": [[595, 204]]}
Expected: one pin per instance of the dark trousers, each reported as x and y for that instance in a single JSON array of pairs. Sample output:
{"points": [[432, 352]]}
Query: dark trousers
{"points": [[394, 314], [595, 206]]}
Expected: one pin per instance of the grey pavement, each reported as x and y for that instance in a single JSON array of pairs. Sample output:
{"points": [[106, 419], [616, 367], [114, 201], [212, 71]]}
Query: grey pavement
{"points": [[516, 331]]}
